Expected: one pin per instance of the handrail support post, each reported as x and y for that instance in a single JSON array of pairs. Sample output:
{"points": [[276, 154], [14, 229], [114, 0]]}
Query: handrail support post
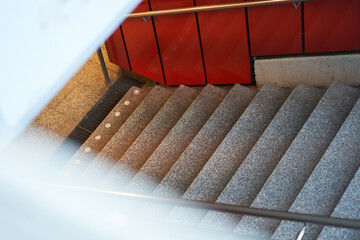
{"points": [[103, 66]]}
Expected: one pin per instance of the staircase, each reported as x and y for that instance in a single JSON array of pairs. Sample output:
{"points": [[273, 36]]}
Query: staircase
{"points": [[289, 150]]}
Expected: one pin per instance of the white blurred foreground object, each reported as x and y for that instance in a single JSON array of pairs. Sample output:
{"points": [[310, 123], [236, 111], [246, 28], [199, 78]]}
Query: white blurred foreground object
{"points": [[43, 44], [32, 209]]}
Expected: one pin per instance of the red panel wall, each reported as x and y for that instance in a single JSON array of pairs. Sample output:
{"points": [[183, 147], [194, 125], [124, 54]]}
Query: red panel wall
{"points": [[329, 26], [225, 44], [179, 44], [332, 25], [141, 45], [116, 50], [275, 29]]}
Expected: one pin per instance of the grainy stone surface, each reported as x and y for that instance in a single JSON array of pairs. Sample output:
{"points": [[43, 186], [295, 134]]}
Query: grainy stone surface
{"points": [[264, 156], [109, 65], [56, 121], [300, 159], [349, 208], [63, 93], [170, 149], [101, 136], [37, 143], [78, 102], [203, 146], [329, 179], [312, 70], [126, 135], [205, 143], [150, 138], [222, 165]]}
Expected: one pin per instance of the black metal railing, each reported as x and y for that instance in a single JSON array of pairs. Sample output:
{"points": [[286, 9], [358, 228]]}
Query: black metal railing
{"points": [[298, 217], [213, 7]]}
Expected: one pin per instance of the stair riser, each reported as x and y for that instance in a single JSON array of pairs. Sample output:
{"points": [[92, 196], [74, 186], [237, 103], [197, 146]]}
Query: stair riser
{"points": [[295, 167]]}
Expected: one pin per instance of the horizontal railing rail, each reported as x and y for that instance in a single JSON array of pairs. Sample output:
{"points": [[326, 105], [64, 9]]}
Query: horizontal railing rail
{"points": [[212, 7], [305, 218]]}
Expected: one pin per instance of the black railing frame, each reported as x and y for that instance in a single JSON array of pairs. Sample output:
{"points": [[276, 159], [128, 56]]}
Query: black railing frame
{"points": [[281, 215]]}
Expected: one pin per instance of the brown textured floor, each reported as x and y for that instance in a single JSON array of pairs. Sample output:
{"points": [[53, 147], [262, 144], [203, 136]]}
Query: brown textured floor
{"points": [[48, 130], [72, 103]]}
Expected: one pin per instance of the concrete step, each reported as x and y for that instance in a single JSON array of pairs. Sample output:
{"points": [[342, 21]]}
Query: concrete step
{"points": [[142, 148], [349, 208], [103, 133], [264, 156], [205, 143], [126, 135], [329, 179], [170, 149], [203, 146], [222, 165], [300, 159]]}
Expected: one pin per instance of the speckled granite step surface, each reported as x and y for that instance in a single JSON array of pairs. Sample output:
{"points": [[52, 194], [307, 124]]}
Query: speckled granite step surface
{"points": [[103, 133], [222, 165], [142, 148], [205, 143], [264, 156], [329, 179], [126, 135], [300, 159], [203, 146], [349, 208], [170, 149]]}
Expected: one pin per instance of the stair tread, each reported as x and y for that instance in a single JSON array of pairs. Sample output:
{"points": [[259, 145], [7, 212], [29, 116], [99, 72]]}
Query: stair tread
{"points": [[81, 158], [170, 149], [150, 138], [264, 156], [349, 208], [205, 143], [287, 179], [222, 165], [192, 160], [329, 179], [126, 135]]}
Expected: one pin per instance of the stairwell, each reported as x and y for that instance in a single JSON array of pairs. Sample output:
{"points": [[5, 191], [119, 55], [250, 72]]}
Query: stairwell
{"points": [[273, 148]]}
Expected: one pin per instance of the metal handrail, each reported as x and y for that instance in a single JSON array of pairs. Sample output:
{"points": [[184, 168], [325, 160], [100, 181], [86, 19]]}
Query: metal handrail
{"points": [[212, 7], [305, 218]]}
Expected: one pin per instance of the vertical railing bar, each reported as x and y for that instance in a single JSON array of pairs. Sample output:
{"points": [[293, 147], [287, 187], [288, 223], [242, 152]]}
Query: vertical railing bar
{"points": [[103, 66]]}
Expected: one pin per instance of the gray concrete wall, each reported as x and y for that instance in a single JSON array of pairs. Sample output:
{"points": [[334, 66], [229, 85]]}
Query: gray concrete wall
{"points": [[315, 70]]}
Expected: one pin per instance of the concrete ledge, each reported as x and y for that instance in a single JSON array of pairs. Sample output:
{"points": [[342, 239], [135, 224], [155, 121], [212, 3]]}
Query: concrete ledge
{"points": [[315, 70]]}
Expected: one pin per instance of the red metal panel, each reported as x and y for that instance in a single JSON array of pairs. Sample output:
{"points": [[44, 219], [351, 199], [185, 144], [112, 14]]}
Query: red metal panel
{"points": [[332, 25], [275, 30], [225, 45], [116, 50], [179, 44], [141, 45]]}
